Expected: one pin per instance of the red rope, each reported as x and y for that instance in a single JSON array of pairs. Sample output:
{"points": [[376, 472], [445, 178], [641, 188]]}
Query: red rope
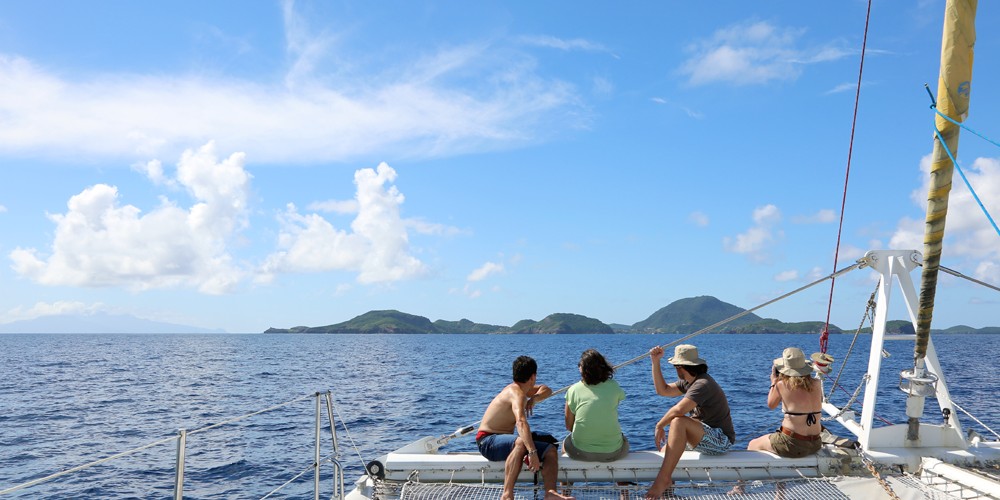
{"points": [[824, 337]]}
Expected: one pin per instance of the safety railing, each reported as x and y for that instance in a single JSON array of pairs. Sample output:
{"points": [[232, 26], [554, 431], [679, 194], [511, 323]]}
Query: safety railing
{"points": [[323, 400]]}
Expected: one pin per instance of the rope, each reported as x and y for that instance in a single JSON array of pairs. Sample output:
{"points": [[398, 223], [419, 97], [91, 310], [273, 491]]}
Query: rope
{"points": [[866, 316], [290, 481], [967, 184], [974, 418], [981, 136], [974, 280], [248, 415], [86, 465], [825, 336], [143, 447], [348, 433]]}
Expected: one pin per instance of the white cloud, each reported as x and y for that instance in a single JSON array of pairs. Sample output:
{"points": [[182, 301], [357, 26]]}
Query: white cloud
{"points": [[971, 242], [99, 243], [343, 207], [843, 87], [563, 44], [376, 247], [756, 242], [58, 308], [824, 216], [3, 209], [485, 270], [423, 227], [752, 53], [789, 275], [698, 219], [326, 109], [153, 170]]}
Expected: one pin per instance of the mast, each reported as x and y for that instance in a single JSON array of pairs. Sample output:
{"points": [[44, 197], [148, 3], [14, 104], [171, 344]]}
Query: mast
{"points": [[954, 86]]}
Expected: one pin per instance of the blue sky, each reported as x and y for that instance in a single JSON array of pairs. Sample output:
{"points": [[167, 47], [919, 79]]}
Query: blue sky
{"points": [[242, 165]]}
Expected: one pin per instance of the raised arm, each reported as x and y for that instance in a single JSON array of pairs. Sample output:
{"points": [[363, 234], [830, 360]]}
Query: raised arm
{"points": [[661, 385], [774, 395]]}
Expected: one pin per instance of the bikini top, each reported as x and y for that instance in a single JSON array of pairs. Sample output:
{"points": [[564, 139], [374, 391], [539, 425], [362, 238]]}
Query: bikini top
{"points": [[810, 416]]}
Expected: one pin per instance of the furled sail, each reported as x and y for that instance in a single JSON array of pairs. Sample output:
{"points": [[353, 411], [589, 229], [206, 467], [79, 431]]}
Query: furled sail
{"points": [[954, 86]]}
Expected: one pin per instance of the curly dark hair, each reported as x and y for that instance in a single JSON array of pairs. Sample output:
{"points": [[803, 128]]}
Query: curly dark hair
{"points": [[524, 367], [594, 369]]}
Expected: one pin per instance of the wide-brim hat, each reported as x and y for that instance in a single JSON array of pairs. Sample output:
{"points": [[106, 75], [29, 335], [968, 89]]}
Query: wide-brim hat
{"points": [[793, 363], [686, 354]]}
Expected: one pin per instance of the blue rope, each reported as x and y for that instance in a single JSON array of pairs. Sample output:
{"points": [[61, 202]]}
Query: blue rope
{"points": [[961, 173], [946, 117]]}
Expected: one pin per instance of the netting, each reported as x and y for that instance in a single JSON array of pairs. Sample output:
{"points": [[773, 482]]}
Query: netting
{"points": [[791, 489]]}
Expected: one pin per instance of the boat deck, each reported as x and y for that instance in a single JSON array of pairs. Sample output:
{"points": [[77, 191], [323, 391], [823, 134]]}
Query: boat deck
{"points": [[638, 466]]}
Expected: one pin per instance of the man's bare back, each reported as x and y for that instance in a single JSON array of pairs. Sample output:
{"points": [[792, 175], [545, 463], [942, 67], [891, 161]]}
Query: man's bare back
{"points": [[499, 417]]}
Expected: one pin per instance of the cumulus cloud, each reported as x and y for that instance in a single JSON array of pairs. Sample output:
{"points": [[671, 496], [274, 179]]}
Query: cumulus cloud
{"points": [[824, 216], [376, 246], [752, 53], [484, 271], [102, 243], [756, 241], [474, 96], [343, 207], [972, 245]]}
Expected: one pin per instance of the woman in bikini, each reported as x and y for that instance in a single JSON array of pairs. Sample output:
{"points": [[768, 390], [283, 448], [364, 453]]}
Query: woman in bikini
{"points": [[794, 388]]}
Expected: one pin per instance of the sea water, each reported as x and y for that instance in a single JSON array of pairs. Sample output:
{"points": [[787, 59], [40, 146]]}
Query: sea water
{"points": [[66, 400]]}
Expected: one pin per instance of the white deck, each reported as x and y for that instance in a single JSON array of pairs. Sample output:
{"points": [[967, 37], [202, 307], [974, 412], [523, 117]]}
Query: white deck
{"points": [[636, 467]]}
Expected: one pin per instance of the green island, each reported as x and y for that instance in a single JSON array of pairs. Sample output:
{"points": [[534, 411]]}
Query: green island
{"points": [[683, 316]]}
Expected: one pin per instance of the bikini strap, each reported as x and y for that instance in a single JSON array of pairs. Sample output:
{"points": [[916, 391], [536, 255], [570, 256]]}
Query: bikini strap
{"points": [[810, 417]]}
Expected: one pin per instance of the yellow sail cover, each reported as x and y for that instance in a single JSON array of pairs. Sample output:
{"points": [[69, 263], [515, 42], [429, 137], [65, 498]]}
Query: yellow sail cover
{"points": [[954, 88]]}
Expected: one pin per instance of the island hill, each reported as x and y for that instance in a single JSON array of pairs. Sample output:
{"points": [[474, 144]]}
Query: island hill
{"points": [[683, 316]]}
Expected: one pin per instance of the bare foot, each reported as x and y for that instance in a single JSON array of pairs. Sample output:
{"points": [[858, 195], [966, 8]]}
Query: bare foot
{"points": [[554, 495], [666, 492]]}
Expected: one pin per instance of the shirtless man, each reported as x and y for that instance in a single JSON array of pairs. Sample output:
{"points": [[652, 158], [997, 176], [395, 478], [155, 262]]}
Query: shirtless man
{"points": [[508, 411]]}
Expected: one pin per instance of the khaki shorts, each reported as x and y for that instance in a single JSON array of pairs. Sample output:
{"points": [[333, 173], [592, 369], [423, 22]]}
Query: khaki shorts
{"points": [[789, 447], [588, 456]]}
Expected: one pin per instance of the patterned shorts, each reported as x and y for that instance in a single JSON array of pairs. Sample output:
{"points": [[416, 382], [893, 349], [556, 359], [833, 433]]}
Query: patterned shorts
{"points": [[715, 442]]}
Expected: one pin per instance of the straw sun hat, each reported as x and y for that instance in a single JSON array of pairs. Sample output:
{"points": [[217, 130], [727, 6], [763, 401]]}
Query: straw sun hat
{"points": [[686, 354], [793, 363]]}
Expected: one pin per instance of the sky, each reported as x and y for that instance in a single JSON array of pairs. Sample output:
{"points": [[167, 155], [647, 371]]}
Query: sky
{"points": [[243, 165]]}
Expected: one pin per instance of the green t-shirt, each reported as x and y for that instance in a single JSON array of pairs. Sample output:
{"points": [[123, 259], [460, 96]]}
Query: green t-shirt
{"points": [[596, 428]]}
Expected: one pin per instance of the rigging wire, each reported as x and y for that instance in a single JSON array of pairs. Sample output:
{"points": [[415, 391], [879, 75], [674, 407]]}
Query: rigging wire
{"points": [[824, 337], [962, 174]]}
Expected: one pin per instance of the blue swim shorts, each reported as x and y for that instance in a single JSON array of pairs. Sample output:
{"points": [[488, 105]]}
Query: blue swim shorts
{"points": [[715, 442], [496, 447]]}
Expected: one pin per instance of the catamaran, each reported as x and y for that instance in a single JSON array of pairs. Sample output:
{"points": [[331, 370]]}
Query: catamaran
{"points": [[926, 457]]}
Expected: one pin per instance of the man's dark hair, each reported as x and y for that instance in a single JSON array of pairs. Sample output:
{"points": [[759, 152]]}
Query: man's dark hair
{"points": [[524, 368], [594, 369], [694, 370]]}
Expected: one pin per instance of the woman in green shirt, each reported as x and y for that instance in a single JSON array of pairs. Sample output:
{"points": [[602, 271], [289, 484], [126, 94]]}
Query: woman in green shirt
{"points": [[592, 413]]}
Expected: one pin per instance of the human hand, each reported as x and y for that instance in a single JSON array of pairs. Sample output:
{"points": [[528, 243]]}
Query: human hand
{"points": [[656, 353], [529, 407], [659, 436], [534, 465]]}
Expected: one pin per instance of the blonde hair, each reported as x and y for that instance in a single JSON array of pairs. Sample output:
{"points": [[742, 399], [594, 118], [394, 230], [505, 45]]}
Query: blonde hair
{"points": [[805, 383]]}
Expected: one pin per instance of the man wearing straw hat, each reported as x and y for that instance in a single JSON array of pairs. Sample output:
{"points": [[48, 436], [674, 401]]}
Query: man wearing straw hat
{"points": [[708, 430]]}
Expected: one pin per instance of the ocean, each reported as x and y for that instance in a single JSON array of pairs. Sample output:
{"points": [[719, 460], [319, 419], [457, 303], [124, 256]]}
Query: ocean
{"points": [[66, 400]]}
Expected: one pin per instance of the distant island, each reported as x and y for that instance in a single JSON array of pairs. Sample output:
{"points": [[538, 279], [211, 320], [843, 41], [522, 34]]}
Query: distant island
{"points": [[683, 316]]}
